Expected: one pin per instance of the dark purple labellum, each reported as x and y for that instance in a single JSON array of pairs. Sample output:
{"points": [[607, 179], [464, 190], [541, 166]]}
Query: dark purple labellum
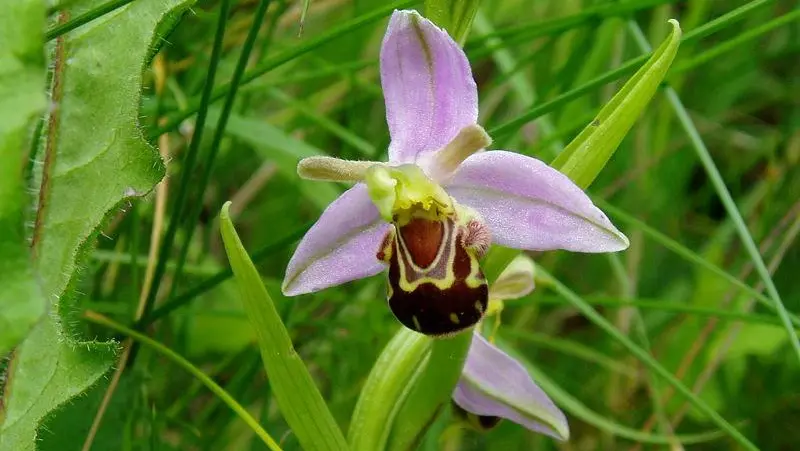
{"points": [[435, 285]]}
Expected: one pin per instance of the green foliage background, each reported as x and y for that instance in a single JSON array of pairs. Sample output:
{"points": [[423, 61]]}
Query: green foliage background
{"points": [[130, 80]]}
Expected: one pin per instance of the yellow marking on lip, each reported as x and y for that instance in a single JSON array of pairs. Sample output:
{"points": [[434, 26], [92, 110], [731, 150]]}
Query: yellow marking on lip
{"points": [[416, 322], [454, 318]]}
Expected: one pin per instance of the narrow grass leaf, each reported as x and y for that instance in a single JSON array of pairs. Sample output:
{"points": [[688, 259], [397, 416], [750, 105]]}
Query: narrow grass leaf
{"points": [[577, 409], [584, 157], [196, 372], [274, 144], [698, 33], [727, 200], [647, 359], [22, 98], [298, 397], [689, 255]]}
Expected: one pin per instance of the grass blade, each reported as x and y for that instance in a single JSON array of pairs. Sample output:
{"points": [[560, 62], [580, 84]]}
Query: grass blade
{"points": [[588, 153], [725, 196], [196, 372], [592, 315], [298, 397]]}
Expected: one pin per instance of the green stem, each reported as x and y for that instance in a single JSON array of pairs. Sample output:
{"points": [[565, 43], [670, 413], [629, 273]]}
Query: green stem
{"points": [[392, 374], [424, 402], [187, 171], [441, 371], [196, 208], [193, 370]]}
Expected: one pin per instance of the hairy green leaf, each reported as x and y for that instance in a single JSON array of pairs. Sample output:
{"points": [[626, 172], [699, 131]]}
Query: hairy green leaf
{"points": [[47, 371], [22, 97], [298, 397], [95, 158], [584, 157]]}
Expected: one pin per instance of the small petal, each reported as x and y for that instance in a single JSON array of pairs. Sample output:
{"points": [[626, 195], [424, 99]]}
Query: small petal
{"points": [[340, 247], [515, 281], [331, 169], [529, 205], [427, 84], [443, 164], [494, 384]]}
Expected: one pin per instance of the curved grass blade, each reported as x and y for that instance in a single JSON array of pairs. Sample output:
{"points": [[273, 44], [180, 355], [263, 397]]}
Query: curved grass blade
{"points": [[592, 315], [589, 152], [668, 305], [196, 372], [727, 200], [689, 255], [22, 98], [698, 33], [298, 397], [577, 409]]}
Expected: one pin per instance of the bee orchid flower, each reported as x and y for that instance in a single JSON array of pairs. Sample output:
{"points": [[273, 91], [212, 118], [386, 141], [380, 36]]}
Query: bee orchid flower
{"points": [[430, 213]]}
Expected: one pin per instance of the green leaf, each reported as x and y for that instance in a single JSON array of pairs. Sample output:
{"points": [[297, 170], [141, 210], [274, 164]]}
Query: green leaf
{"points": [[22, 98], [95, 160], [46, 372], [298, 397], [455, 16], [584, 157]]}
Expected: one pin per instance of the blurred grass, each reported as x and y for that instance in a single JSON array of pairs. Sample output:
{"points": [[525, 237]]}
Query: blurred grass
{"points": [[737, 77]]}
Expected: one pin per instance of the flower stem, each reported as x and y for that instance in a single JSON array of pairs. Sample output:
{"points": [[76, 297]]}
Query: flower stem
{"points": [[443, 369]]}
